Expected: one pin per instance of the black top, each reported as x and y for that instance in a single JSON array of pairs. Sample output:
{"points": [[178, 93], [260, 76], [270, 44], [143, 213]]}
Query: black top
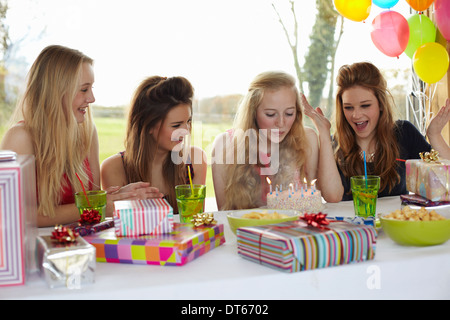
{"points": [[411, 143]]}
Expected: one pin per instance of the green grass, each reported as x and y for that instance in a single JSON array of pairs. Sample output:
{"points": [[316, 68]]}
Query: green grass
{"points": [[111, 135]]}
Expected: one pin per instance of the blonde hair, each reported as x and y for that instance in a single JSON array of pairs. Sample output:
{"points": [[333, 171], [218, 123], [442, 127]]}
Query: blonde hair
{"points": [[243, 186], [60, 143]]}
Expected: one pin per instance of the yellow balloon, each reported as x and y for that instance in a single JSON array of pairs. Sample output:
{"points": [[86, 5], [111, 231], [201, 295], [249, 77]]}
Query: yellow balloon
{"points": [[356, 10], [431, 62]]}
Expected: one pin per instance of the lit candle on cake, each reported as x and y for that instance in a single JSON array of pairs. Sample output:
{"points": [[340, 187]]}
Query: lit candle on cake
{"points": [[270, 184], [313, 186]]}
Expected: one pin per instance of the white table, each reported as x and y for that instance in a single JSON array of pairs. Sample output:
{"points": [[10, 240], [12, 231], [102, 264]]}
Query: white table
{"points": [[397, 272]]}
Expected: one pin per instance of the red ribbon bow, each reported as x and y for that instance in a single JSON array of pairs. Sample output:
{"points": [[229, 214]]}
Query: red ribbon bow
{"points": [[317, 220], [90, 216], [64, 235]]}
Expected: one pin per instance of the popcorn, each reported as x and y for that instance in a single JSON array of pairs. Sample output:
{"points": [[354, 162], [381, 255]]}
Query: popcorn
{"points": [[408, 214]]}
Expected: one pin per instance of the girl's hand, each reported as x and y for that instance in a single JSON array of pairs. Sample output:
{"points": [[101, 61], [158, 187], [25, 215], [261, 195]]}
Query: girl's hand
{"points": [[439, 120], [322, 124], [132, 191]]}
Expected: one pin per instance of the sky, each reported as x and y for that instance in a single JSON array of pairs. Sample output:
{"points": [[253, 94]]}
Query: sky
{"points": [[219, 45]]}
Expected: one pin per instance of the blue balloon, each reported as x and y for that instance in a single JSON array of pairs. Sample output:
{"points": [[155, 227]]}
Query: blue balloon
{"points": [[385, 4]]}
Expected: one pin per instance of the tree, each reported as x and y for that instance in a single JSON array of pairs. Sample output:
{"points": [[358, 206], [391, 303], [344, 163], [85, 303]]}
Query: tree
{"points": [[319, 62]]}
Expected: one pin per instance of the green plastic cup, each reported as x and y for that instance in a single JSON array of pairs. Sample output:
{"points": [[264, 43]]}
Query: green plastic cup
{"points": [[97, 201], [190, 203], [365, 194]]}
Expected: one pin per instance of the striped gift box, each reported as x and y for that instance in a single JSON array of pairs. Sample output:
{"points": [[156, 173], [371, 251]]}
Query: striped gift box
{"points": [[17, 219], [141, 217], [294, 246], [182, 245]]}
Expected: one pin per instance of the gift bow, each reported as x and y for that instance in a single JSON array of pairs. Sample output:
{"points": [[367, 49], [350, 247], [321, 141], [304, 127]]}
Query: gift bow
{"points": [[64, 235], [432, 156], [317, 220], [203, 219], [90, 216]]}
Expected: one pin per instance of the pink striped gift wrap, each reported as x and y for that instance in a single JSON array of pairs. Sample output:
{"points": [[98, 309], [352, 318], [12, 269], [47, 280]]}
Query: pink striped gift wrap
{"points": [[18, 212], [294, 246], [142, 217], [177, 248]]}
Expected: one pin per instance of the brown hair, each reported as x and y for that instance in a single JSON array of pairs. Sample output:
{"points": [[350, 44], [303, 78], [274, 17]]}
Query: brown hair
{"points": [[153, 99], [348, 152]]}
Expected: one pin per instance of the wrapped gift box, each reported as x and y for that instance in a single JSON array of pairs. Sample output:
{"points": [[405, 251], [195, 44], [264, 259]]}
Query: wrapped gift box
{"points": [[430, 180], [18, 218], [182, 245], [142, 217], [296, 246], [66, 264]]}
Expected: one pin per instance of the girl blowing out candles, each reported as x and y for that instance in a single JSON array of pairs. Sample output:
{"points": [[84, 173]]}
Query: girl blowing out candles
{"points": [[270, 112]]}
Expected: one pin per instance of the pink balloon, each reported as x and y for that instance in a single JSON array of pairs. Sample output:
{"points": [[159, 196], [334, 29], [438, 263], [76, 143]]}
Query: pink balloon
{"points": [[442, 14], [390, 33]]}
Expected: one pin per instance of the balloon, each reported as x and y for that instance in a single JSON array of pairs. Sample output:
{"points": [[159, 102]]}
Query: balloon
{"points": [[356, 10], [390, 33], [385, 4], [442, 15], [420, 5], [421, 30], [431, 62]]}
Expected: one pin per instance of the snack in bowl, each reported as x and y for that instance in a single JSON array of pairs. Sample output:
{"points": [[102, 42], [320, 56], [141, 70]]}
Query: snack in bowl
{"points": [[422, 227], [258, 217], [264, 215]]}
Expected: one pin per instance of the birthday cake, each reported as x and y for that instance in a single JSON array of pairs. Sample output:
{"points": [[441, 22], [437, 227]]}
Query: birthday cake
{"points": [[309, 201]]}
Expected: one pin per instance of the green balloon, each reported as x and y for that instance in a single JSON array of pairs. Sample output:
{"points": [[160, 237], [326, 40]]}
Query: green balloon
{"points": [[421, 31]]}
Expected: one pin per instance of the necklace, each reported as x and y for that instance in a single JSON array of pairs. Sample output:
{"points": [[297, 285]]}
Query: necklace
{"points": [[369, 156]]}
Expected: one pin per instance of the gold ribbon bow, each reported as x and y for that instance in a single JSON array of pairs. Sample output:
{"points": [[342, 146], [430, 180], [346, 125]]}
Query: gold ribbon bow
{"points": [[432, 156], [202, 219]]}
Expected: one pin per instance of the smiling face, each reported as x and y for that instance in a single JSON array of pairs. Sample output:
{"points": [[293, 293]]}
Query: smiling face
{"points": [[277, 111], [84, 95], [173, 128], [362, 111]]}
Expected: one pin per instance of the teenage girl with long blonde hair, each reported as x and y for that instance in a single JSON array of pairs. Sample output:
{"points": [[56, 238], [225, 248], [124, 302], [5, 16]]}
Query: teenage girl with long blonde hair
{"points": [[365, 124], [53, 122], [268, 127]]}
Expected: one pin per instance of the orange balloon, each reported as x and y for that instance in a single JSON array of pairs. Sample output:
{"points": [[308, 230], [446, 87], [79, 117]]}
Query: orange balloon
{"points": [[420, 5]]}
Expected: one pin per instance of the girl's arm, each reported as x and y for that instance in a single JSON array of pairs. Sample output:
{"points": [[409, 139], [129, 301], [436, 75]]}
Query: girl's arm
{"points": [[218, 170], [328, 178], [18, 139], [199, 164]]}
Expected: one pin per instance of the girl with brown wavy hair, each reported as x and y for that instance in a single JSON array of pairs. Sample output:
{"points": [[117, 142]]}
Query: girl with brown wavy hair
{"points": [[53, 122], [156, 150], [268, 140], [365, 124]]}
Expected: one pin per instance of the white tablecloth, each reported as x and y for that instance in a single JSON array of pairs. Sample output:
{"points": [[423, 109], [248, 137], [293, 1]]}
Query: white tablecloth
{"points": [[397, 272]]}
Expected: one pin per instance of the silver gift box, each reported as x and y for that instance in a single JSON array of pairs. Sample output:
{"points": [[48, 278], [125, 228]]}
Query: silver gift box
{"points": [[66, 264]]}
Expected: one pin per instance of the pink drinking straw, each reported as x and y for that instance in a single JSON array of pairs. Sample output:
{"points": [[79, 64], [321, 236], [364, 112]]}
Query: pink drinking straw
{"points": [[84, 191]]}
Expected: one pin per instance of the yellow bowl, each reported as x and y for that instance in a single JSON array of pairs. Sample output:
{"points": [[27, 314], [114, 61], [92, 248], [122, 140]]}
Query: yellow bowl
{"points": [[236, 221], [418, 233]]}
